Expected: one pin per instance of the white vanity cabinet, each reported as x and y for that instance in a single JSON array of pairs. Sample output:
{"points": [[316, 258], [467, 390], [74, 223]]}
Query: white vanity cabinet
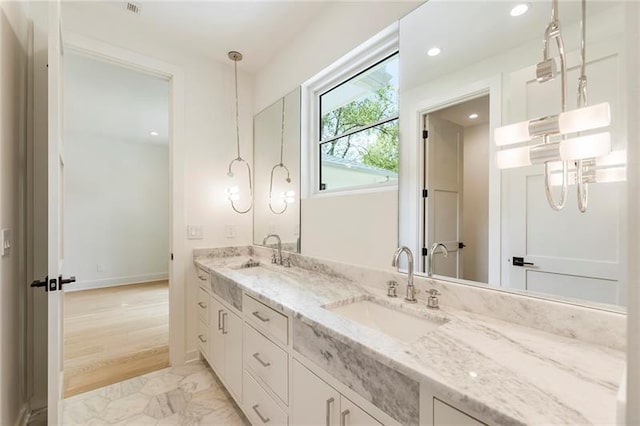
{"points": [[225, 345], [315, 402]]}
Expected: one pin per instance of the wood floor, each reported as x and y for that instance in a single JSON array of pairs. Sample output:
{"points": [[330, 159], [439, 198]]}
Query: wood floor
{"points": [[114, 334]]}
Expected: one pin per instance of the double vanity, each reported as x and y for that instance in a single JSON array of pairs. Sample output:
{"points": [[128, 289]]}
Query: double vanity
{"points": [[321, 342]]}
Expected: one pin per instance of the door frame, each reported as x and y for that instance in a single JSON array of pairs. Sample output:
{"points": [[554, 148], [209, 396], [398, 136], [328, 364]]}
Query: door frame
{"points": [[493, 88], [96, 49]]}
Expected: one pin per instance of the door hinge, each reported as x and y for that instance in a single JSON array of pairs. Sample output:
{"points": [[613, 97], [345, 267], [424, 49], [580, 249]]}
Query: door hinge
{"points": [[425, 193], [425, 134], [425, 251]]}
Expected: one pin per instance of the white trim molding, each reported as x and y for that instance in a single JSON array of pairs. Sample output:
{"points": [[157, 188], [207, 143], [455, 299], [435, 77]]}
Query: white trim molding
{"points": [[378, 47], [116, 281], [177, 152]]}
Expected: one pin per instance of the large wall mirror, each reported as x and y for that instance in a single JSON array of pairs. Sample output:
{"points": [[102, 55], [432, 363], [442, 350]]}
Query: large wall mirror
{"points": [[491, 218], [277, 173]]}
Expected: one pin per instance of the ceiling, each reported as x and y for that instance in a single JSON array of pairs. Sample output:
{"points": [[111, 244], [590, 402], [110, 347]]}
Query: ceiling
{"points": [[109, 101], [459, 113], [257, 29]]}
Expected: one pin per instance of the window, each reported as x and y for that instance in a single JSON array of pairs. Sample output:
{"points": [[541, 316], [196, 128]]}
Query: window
{"points": [[358, 129]]}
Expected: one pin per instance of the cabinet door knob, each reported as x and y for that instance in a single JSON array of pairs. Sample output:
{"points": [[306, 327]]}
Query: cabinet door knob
{"points": [[263, 363], [264, 419], [329, 409], [219, 320], [260, 317], [202, 305], [202, 339], [224, 323], [343, 418]]}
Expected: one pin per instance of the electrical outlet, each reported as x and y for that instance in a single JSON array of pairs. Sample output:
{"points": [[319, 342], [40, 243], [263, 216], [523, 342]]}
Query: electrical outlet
{"points": [[5, 249], [195, 232], [100, 267], [230, 231]]}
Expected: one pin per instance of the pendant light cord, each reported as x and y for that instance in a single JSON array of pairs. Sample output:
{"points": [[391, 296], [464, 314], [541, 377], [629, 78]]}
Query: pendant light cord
{"points": [[235, 70]]}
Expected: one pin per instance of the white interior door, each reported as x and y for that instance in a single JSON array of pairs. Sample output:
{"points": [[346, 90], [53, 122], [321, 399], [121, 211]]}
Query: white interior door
{"points": [[55, 220], [570, 254], [443, 220]]}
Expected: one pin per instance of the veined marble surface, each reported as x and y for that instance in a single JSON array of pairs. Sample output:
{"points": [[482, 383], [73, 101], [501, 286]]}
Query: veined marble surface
{"points": [[498, 371], [187, 395]]}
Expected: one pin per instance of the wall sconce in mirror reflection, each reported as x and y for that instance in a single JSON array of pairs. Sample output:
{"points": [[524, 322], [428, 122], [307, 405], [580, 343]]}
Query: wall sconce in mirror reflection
{"points": [[580, 159], [233, 192], [278, 203]]}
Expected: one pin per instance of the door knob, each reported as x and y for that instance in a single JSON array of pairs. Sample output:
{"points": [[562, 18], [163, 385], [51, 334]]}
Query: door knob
{"points": [[64, 281], [519, 261], [40, 283]]}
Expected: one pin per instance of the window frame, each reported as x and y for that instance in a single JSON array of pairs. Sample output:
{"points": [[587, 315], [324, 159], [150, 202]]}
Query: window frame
{"points": [[376, 50]]}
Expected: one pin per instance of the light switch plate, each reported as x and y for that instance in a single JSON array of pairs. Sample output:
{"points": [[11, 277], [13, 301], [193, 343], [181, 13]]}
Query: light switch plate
{"points": [[194, 232], [230, 231], [5, 249]]}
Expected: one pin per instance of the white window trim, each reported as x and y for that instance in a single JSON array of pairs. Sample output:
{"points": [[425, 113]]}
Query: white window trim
{"points": [[377, 48]]}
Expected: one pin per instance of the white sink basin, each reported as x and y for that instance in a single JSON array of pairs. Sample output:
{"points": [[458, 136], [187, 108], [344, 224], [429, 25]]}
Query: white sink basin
{"points": [[389, 321]]}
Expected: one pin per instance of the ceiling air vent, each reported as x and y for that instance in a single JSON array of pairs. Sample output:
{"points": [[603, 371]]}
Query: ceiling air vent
{"points": [[133, 7]]}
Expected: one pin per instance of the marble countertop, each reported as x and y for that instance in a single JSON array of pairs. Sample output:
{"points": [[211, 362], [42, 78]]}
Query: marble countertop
{"points": [[504, 373]]}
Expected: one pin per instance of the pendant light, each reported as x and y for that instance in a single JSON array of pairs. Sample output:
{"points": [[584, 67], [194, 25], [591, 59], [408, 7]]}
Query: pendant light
{"points": [[233, 192], [287, 197], [579, 151]]}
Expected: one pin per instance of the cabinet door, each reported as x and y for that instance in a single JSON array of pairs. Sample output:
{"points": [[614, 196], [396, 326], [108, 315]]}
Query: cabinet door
{"points": [[352, 415], [232, 332], [216, 338], [313, 401], [446, 415]]}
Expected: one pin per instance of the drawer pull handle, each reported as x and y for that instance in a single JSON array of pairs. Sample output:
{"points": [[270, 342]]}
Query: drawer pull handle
{"points": [[202, 305], [260, 317], [202, 339], [224, 323], [219, 320], [257, 357], [202, 278], [329, 404], [343, 418], [264, 419]]}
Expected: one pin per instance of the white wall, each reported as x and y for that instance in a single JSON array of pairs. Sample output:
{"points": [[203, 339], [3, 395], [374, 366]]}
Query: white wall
{"points": [[475, 202], [13, 69], [116, 211], [209, 139], [358, 228], [368, 221]]}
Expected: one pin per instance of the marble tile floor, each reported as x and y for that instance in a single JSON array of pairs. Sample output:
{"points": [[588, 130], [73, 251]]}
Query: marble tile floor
{"points": [[186, 395]]}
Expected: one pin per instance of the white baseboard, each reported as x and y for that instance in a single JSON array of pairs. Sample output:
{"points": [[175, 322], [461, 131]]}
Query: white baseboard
{"points": [[112, 282], [23, 417], [191, 356]]}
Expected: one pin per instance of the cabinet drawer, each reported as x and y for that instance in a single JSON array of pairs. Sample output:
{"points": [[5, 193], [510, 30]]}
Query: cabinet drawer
{"points": [[203, 338], [203, 306], [446, 415], [267, 361], [259, 406], [266, 319]]}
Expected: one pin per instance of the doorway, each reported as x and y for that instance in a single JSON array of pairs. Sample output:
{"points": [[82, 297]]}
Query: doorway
{"points": [[116, 227], [456, 197]]}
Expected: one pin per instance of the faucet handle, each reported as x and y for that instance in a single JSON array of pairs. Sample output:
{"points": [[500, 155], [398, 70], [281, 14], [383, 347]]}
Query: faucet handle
{"points": [[286, 262], [274, 258], [432, 300], [392, 288]]}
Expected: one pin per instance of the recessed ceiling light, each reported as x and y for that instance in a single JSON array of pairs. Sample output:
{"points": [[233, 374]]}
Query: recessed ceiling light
{"points": [[434, 51], [154, 133], [520, 9], [473, 116]]}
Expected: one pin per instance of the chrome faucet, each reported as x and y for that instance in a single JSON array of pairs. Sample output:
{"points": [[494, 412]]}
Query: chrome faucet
{"points": [[276, 259], [411, 290], [433, 250]]}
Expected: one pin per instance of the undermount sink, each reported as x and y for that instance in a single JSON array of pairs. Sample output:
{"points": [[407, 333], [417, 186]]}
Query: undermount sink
{"points": [[387, 320]]}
